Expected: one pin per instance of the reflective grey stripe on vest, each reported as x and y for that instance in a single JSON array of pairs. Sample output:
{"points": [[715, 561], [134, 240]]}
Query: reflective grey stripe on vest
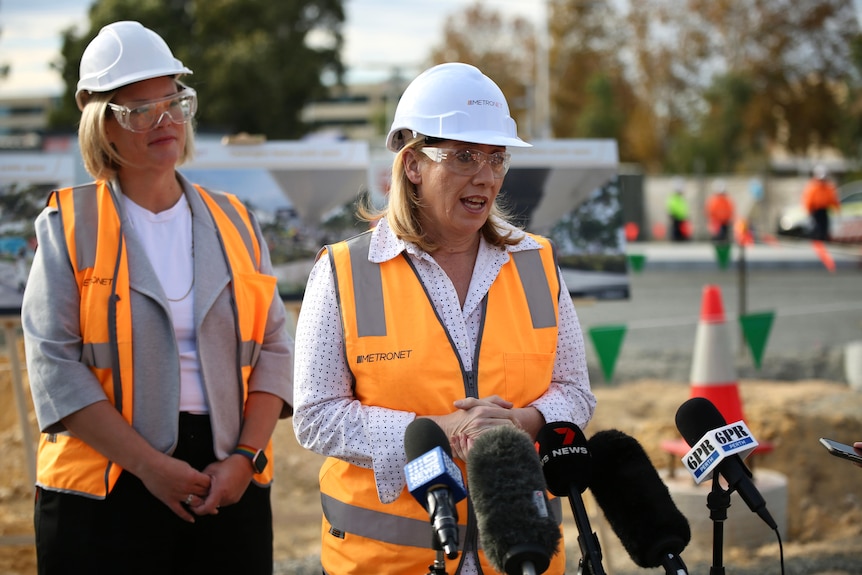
{"points": [[230, 211], [96, 355], [86, 209], [368, 288], [535, 282], [249, 352], [392, 528]]}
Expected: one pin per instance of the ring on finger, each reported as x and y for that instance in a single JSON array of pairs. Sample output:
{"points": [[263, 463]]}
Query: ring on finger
{"points": [[189, 499]]}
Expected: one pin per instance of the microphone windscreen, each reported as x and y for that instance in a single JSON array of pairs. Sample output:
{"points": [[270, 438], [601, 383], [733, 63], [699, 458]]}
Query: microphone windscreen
{"points": [[507, 488], [634, 499], [565, 457], [422, 435], [697, 416]]}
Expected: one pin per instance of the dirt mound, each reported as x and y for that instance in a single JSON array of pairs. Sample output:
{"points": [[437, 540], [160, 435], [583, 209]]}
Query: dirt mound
{"points": [[825, 493]]}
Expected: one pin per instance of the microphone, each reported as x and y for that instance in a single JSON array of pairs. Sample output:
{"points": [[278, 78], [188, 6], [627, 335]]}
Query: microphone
{"points": [[567, 466], [715, 447], [434, 480], [636, 502], [517, 532]]}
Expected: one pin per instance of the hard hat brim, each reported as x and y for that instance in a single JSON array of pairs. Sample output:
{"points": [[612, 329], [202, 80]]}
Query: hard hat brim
{"points": [[395, 141], [120, 82]]}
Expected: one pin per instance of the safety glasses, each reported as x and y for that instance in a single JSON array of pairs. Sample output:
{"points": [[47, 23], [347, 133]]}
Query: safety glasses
{"points": [[468, 162], [179, 107]]}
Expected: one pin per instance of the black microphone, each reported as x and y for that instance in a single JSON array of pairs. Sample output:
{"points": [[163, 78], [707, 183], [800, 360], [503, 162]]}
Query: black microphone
{"points": [[434, 480], [697, 417], [567, 466], [517, 531], [637, 503]]}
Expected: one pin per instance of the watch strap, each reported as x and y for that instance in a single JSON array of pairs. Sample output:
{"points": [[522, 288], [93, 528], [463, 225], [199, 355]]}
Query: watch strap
{"points": [[255, 456]]}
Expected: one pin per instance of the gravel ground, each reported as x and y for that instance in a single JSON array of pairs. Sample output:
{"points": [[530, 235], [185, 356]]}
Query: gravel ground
{"points": [[824, 564]]}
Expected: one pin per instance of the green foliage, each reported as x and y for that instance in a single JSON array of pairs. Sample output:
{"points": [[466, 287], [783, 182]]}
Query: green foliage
{"points": [[602, 116], [256, 63], [706, 83]]}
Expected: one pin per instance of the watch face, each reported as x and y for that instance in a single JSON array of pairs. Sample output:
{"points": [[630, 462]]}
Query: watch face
{"points": [[260, 461]]}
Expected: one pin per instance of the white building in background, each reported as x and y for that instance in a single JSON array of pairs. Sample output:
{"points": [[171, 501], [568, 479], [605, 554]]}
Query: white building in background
{"points": [[22, 120]]}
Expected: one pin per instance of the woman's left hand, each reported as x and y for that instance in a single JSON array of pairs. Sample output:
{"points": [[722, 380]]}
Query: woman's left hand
{"points": [[473, 417]]}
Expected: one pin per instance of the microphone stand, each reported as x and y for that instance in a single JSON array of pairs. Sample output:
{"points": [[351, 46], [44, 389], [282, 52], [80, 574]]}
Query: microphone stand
{"points": [[439, 565], [718, 501], [591, 552]]}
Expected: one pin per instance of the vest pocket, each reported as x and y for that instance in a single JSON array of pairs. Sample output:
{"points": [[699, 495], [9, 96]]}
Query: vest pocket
{"points": [[527, 376]]}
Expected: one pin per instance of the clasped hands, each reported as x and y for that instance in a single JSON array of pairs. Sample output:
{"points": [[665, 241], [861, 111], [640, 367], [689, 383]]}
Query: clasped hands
{"points": [[189, 493], [474, 416]]}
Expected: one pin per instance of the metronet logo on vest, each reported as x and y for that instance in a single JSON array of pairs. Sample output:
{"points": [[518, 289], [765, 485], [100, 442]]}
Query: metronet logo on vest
{"points": [[715, 446], [96, 281], [384, 356], [483, 102]]}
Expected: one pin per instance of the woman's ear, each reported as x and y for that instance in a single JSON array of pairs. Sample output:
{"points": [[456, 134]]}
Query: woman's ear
{"points": [[412, 166]]}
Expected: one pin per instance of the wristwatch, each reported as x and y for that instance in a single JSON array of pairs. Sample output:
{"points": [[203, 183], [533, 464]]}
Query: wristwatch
{"points": [[256, 456]]}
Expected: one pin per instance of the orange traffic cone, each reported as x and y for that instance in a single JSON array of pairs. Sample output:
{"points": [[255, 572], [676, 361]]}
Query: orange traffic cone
{"points": [[713, 374]]}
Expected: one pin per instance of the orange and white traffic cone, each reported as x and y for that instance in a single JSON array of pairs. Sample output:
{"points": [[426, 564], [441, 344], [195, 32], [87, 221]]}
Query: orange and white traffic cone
{"points": [[713, 374]]}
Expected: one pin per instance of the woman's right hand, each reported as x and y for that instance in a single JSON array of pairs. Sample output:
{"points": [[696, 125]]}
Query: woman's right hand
{"points": [[473, 417], [176, 484], [170, 480]]}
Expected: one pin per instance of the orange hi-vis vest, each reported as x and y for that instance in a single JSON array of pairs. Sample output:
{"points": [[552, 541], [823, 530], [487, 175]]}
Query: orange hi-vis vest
{"points": [[820, 195], [719, 208], [402, 358], [97, 252]]}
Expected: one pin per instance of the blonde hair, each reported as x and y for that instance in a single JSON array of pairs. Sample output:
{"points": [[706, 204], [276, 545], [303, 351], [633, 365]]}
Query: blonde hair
{"points": [[404, 208], [101, 159]]}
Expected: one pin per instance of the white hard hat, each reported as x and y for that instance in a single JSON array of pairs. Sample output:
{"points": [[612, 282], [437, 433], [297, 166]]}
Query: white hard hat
{"points": [[820, 171], [124, 53], [454, 101]]}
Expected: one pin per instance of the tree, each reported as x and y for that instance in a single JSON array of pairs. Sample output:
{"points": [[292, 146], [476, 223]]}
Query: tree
{"points": [[505, 51], [696, 85], [255, 66], [797, 56], [849, 138], [4, 67]]}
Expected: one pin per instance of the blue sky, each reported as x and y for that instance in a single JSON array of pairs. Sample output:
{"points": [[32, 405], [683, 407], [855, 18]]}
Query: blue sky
{"points": [[379, 34]]}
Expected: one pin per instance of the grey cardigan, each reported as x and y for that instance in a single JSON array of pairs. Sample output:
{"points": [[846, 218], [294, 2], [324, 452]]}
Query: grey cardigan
{"points": [[61, 384]]}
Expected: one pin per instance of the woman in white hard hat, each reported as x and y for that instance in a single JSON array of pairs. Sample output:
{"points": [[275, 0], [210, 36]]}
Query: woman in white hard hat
{"points": [[443, 311], [156, 346]]}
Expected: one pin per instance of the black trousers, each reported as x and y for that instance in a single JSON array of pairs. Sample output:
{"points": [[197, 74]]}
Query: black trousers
{"points": [[821, 224], [131, 532]]}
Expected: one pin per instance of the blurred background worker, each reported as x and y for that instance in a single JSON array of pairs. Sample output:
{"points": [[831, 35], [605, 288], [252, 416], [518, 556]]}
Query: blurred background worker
{"points": [[677, 211], [719, 212], [819, 196]]}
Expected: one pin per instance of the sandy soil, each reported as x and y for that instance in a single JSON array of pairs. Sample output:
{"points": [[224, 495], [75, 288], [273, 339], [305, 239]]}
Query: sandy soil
{"points": [[824, 506]]}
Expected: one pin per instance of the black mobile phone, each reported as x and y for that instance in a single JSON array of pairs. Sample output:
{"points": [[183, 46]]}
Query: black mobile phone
{"points": [[841, 450]]}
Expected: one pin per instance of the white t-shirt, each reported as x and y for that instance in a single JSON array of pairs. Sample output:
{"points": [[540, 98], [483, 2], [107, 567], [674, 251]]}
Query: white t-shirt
{"points": [[167, 239]]}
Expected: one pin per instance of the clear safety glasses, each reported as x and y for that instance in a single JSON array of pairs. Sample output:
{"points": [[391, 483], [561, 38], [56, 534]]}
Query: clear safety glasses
{"points": [[179, 107], [469, 162]]}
